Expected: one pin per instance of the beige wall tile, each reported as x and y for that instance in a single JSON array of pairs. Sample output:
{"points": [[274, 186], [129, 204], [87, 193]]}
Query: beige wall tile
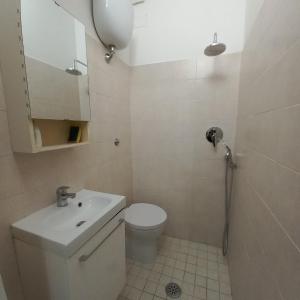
{"points": [[5, 148], [28, 182], [2, 100], [264, 253], [174, 166]]}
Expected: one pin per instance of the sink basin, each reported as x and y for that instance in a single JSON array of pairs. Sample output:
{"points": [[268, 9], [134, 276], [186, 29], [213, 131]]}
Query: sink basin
{"points": [[64, 229], [78, 212]]}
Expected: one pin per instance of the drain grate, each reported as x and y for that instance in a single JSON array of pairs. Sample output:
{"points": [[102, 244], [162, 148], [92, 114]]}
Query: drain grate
{"points": [[173, 290]]}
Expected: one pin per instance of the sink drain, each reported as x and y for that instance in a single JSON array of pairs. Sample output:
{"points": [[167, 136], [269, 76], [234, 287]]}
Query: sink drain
{"points": [[80, 223], [173, 290]]}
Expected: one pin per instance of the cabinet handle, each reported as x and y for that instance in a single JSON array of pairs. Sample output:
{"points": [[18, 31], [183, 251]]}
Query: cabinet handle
{"points": [[85, 257]]}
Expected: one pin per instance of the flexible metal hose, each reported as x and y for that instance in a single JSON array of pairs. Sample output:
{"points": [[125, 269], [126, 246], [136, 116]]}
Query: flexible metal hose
{"points": [[230, 166]]}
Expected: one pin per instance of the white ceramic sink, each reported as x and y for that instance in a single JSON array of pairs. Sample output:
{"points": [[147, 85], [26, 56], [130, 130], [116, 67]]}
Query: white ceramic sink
{"points": [[65, 229]]}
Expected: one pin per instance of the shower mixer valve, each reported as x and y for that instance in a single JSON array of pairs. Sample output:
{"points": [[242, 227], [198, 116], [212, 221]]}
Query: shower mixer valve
{"points": [[214, 135]]}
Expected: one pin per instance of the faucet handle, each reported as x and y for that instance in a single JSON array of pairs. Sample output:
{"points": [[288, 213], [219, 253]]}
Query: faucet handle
{"points": [[62, 189]]}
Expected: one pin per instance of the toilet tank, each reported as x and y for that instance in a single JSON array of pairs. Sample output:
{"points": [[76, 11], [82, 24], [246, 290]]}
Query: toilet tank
{"points": [[113, 21]]}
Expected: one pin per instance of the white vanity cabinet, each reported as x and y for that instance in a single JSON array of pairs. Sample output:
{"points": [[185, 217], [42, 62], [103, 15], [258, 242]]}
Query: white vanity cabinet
{"points": [[96, 271], [99, 265]]}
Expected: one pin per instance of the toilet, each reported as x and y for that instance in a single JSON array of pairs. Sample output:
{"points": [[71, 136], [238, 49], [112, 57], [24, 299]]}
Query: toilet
{"points": [[144, 226]]}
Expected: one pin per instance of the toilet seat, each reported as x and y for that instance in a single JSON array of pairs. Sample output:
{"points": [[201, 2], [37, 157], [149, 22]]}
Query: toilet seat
{"points": [[145, 216]]}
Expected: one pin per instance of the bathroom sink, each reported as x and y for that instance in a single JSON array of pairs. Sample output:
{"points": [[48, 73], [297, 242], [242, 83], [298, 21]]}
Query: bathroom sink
{"points": [[65, 229], [78, 212]]}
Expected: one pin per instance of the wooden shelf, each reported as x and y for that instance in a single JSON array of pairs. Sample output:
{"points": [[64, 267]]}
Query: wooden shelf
{"points": [[59, 147], [55, 134]]}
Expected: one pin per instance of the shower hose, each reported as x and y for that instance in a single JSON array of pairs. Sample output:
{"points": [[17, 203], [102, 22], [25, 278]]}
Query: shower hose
{"points": [[229, 172]]}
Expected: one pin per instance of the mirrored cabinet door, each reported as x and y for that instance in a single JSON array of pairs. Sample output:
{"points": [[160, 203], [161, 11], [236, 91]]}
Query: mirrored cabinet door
{"points": [[56, 62]]}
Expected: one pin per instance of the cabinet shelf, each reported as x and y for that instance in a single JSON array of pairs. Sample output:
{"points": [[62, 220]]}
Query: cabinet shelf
{"points": [[59, 147], [54, 134]]}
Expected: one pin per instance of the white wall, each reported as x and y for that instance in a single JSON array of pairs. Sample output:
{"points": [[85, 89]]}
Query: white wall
{"points": [[252, 10], [169, 30], [82, 10]]}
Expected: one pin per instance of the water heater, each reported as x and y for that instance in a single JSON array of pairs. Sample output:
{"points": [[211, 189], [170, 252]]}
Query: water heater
{"points": [[113, 21]]}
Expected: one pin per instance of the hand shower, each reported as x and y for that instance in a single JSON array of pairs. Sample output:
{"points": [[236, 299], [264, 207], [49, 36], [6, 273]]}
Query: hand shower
{"points": [[215, 135]]}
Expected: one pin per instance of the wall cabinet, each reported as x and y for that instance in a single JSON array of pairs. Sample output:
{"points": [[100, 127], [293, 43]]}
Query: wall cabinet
{"points": [[45, 75]]}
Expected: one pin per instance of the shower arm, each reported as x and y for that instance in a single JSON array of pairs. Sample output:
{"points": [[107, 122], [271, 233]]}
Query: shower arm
{"points": [[77, 61], [215, 38]]}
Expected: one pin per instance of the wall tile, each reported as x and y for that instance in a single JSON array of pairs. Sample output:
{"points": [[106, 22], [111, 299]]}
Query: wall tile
{"points": [[171, 109], [28, 182], [264, 253]]}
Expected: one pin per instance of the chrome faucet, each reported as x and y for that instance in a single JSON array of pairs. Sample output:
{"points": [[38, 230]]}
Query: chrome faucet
{"points": [[62, 196]]}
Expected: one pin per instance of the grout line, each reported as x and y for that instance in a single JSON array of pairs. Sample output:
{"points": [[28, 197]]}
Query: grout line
{"points": [[251, 115], [275, 62], [273, 215], [275, 161]]}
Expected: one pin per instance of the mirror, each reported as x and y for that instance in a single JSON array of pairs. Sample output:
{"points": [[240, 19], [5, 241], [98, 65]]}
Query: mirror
{"points": [[56, 62]]}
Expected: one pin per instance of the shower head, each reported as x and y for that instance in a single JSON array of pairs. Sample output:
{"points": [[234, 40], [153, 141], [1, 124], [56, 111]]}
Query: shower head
{"points": [[73, 71], [215, 48]]}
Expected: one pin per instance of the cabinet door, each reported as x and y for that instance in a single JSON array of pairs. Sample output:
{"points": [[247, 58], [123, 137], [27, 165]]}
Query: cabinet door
{"points": [[97, 270]]}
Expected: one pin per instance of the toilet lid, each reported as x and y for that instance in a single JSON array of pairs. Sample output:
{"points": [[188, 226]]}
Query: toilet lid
{"points": [[145, 216]]}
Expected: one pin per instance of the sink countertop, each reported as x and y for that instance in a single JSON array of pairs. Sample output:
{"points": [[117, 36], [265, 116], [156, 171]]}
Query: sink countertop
{"points": [[64, 230]]}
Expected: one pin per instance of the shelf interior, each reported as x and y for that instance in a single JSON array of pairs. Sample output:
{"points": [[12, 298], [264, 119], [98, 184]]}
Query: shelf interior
{"points": [[55, 134]]}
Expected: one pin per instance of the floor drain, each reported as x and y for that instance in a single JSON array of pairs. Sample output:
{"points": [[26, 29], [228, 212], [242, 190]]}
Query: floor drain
{"points": [[173, 290]]}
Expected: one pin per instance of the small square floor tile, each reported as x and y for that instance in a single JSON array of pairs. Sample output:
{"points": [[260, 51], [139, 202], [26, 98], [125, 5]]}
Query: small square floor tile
{"points": [[191, 268], [134, 294], [146, 296], [225, 288], [180, 265], [158, 267], [139, 283], [192, 260], [200, 292], [212, 265], [225, 297], [212, 257], [213, 274], [200, 270], [201, 281], [213, 285], [170, 262], [150, 287], [178, 274], [188, 288], [164, 280], [212, 295], [167, 270], [189, 278], [182, 257], [161, 292]]}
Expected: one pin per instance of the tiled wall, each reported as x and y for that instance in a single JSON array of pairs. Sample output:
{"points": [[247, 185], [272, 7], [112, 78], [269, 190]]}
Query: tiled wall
{"points": [[172, 106], [28, 182], [265, 231]]}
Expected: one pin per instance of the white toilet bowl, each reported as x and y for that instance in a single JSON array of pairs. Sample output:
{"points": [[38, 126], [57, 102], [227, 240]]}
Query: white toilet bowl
{"points": [[144, 225]]}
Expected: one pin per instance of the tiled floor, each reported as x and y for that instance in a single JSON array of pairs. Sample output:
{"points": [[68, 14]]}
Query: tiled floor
{"points": [[200, 270]]}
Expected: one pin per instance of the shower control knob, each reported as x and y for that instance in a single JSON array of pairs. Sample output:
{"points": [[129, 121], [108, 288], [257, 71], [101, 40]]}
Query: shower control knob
{"points": [[214, 135]]}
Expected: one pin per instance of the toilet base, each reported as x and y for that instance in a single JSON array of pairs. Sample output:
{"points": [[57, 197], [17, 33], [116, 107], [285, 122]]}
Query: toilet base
{"points": [[141, 250], [142, 245]]}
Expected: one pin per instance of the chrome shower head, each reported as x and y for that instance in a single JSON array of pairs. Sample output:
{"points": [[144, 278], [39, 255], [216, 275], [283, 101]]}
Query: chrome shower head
{"points": [[215, 48], [73, 71]]}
